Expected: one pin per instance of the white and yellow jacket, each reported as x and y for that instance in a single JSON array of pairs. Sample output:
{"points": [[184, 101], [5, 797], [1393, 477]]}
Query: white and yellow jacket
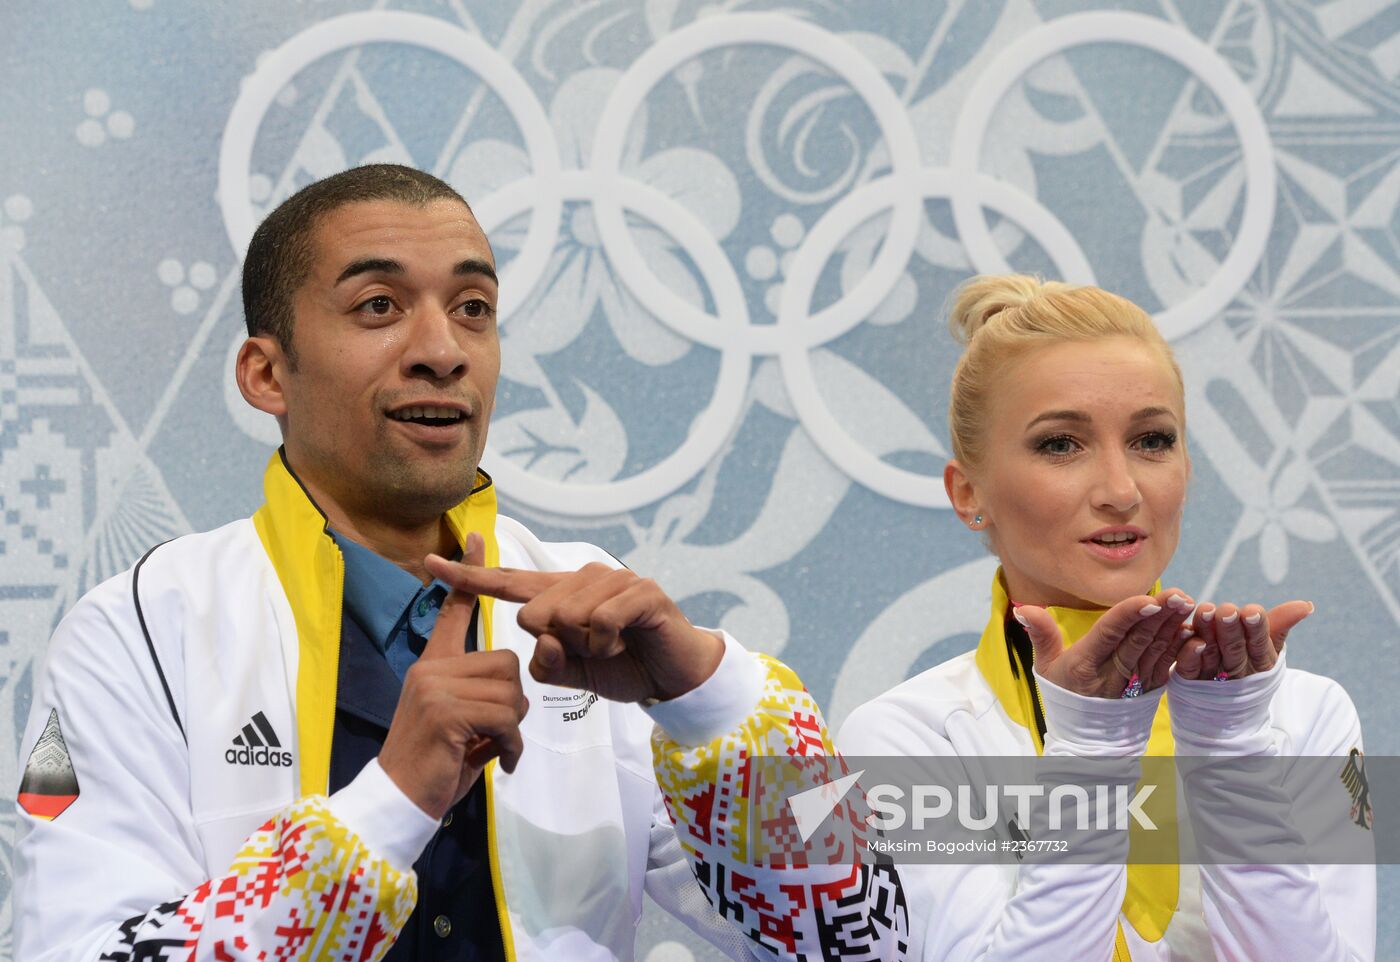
{"points": [[219, 641], [975, 705]]}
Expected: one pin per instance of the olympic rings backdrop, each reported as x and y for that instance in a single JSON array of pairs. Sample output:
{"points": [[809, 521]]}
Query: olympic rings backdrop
{"points": [[727, 233]]}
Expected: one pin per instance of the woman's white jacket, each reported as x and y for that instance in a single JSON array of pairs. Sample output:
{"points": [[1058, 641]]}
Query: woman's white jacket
{"points": [[1025, 911]]}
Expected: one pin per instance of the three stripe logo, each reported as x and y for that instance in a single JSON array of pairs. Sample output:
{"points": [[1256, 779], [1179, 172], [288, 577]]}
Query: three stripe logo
{"points": [[258, 744], [251, 730]]}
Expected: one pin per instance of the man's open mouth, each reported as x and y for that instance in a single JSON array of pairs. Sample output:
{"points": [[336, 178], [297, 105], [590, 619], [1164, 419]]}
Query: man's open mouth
{"points": [[430, 416]]}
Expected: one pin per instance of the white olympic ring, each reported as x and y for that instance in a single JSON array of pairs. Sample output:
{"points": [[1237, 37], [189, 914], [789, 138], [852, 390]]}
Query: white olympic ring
{"points": [[708, 431], [1170, 41], [431, 33], [769, 30], [828, 433], [729, 330]]}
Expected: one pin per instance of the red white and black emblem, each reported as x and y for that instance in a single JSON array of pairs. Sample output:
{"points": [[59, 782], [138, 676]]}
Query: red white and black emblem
{"points": [[1354, 778], [50, 784]]}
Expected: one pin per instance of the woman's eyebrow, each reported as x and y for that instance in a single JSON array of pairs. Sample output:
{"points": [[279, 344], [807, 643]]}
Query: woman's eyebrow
{"points": [[1078, 416], [1081, 417]]}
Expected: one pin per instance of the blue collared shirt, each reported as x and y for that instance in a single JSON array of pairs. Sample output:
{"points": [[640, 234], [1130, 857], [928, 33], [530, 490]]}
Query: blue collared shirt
{"points": [[393, 607], [389, 610]]}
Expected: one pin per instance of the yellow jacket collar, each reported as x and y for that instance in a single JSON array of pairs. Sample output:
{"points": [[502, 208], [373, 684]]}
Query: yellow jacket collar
{"points": [[309, 566], [1017, 695]]}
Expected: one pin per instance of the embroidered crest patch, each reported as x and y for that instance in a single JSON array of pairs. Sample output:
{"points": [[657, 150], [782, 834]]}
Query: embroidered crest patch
{"points": [[49, 784], [1354, 778]]}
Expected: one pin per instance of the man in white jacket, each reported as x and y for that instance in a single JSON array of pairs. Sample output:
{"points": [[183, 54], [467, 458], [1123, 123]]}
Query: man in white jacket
{"points": [[289, 738]]}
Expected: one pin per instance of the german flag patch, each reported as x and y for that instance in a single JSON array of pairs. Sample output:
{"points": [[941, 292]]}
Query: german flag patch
{"points": [[50, 784], [1359, 787]]}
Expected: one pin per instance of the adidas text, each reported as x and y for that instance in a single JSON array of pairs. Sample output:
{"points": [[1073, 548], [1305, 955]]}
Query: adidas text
{"points": [[257, 756]]}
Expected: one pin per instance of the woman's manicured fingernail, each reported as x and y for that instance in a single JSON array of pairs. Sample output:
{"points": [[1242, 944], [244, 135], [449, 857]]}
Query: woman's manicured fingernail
{"points": [[1253, 619], [1179, 602], [1311, 607], [1025, 623], [1206, 615], [1185, 633], [1231, 618], [1199, 647], [1150, 610]]}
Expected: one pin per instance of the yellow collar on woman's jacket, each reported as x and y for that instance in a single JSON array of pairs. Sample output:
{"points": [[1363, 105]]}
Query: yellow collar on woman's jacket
{"points": [[1152, 888], [312, 573]]}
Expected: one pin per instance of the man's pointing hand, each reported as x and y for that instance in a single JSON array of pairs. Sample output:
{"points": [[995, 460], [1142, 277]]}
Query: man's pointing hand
{"points": [[600, 628]]}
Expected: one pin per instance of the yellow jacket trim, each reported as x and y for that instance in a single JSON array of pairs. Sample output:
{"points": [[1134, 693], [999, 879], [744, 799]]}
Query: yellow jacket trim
{"points": [[478, 513]]}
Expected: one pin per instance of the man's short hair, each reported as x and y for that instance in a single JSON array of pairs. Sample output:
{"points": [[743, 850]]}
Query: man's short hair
{"points": [[281, 252]]}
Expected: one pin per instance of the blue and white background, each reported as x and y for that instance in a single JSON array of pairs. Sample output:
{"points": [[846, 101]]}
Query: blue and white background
{"points": [[727, 232]]}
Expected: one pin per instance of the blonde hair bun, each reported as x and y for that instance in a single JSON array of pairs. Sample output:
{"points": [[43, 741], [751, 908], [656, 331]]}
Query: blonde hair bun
{"points": [[983, 297], [998, 318]]}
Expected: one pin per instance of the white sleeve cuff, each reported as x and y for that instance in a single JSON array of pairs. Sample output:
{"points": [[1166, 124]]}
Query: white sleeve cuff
{"points": [[1098, 726], [720, 704], [1215, 715], [391, 825]]}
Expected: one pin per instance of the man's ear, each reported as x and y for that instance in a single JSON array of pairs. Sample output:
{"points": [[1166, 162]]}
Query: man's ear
{"points": [[962, 494], [260, 369]]}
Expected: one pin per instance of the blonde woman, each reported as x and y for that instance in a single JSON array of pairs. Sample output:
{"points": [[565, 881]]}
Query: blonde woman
{"points": [[1068, 428]]}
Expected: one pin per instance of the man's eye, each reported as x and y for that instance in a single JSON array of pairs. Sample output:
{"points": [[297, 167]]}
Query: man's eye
{"points": [[475, 308], [378, 306]]}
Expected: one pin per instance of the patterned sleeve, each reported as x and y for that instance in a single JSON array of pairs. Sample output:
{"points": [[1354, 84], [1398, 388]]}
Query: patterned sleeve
{"points": [[302, 886], [818, 897]]}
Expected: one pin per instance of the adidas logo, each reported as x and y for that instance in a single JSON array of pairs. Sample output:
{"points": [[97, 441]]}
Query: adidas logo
{"points": [[257, 745]]}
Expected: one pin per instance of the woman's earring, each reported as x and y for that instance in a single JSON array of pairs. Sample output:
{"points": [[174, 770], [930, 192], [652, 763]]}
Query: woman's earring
{"points": [[977, 521]]}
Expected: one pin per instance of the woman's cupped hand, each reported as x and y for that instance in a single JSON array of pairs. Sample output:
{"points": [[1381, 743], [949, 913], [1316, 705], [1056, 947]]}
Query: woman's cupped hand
{"points": [[1145, 636], [1140, 636], [1232, 641]]}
